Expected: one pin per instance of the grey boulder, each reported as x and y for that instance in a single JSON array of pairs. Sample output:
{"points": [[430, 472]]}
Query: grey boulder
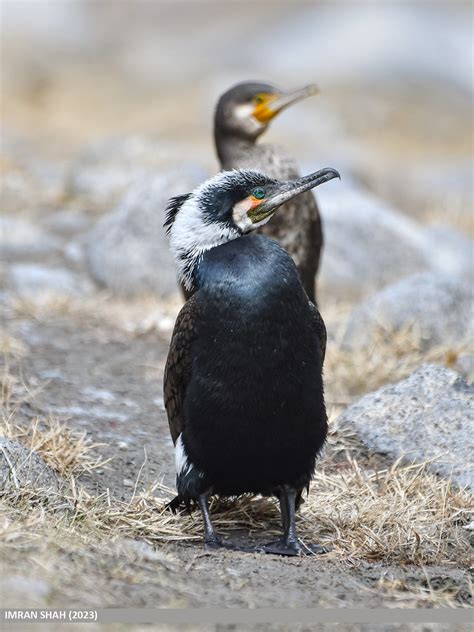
{"points": [[439, 187], [426, 417], [37, 282], [128, 251], [368, 244], [22, 238], [437, 307], [465, 366], [21, 467], [106, 170]]}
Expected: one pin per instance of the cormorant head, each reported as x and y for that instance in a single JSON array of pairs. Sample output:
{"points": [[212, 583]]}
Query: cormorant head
{"points": [[246, 109], [226, 207]]}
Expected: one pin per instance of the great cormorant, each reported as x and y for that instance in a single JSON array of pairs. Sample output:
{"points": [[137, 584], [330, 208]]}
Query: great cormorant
{"points": [[243, 385], [242, 114]]}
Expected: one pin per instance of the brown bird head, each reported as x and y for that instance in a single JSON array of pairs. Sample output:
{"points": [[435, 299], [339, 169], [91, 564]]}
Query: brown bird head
{"points": [[246, 110]]}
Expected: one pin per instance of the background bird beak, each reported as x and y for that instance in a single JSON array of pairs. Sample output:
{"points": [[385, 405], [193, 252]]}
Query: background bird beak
{"points": [[271, 108], [288, 190]]}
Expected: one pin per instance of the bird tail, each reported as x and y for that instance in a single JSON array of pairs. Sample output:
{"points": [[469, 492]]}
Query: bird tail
{"points": [[299, 496], [177, 503]]}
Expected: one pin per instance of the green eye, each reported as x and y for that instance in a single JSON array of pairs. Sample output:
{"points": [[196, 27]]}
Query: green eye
{"points": [[259, 194], [258, 99]]}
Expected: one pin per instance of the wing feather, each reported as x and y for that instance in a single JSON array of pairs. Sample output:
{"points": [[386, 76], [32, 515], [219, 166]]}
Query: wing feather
{"points": [[178, 366], [320, 329]]}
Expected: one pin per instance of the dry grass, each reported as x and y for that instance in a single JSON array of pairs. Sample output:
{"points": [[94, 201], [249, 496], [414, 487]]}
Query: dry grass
{"points": [[367, 512], [396, 516], [392, 356], [403, 514], [11, 346], [70, 453]]}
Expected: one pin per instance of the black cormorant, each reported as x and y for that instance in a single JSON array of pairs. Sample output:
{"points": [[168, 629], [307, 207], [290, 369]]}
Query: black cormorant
{"points": [[242, 114], [243, 383]]}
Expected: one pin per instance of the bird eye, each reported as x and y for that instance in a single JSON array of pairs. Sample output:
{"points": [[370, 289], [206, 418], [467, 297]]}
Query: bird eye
{"points": [[259, 194], [258, 99]]}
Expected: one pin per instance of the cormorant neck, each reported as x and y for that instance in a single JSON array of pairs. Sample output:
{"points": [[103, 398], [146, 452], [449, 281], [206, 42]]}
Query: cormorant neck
{"points": [[230, 145], [191, 237]]}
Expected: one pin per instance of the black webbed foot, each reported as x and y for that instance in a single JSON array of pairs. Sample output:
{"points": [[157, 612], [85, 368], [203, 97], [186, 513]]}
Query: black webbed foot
{"points": [[293, 548], [213, 543], [216, 542], [281, 547]]}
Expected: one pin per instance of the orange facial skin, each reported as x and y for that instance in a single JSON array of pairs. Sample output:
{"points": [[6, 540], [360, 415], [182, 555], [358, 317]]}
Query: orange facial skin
{"points": [[254, 202], [263, 112]]}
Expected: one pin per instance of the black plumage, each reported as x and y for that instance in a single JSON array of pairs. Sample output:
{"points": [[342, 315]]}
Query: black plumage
{"points": [[243, 382], [236, 131]]}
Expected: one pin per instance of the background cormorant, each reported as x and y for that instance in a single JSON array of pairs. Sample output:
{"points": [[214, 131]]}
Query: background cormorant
{"points": [[242, 114]]}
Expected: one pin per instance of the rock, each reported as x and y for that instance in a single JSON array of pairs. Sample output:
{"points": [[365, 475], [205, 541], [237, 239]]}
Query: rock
{"points": [[442, 186], [427, 416], [465, 366], [449, 250], [102, 187], [108, 168], [21, 238], [39, 282], [368, 244], [21, 467], [439, 307], [128, 250], [68, 221]]}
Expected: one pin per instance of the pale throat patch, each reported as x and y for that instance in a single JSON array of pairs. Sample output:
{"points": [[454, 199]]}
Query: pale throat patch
{"points": [[190, 237], [241, 218], [244, 112], [240, 215]]}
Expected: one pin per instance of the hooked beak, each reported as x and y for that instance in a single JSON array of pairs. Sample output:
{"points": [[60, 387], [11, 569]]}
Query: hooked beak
{"points": [[287, 190], [281, 101]]}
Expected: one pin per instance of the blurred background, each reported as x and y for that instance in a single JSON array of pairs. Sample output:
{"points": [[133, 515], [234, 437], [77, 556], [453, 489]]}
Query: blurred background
{"points": [[107, 111], [98, 95]]}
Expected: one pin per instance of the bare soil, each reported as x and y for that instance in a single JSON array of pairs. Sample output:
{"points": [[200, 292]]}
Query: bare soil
{"points": [[107, 381]]}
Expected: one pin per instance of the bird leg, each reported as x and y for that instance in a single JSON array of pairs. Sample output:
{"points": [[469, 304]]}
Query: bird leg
{"points": [[288, 509], [289, 544], [284, 511], [211, 539]]}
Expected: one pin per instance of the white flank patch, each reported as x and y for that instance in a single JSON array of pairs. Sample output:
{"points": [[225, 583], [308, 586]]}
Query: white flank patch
{"points": [[181, 458]]}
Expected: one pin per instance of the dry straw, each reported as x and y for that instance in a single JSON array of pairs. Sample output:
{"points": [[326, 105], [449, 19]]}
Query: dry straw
{"points": [[402, 514], [399, 513]]}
